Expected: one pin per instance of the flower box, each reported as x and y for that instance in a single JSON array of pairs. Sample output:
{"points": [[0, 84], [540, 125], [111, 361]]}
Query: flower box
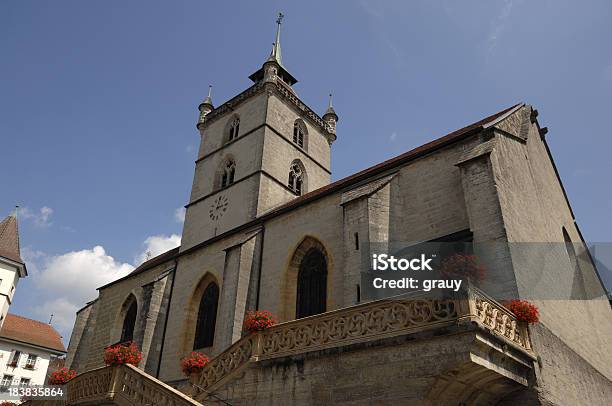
{"points": [[61, 376], [524, 311], [119, 354], [194, 363], [258, 320]]}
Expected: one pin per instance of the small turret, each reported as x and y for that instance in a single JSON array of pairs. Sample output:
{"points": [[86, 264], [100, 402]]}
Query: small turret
{"points": [[205, 107], [330, 116]]}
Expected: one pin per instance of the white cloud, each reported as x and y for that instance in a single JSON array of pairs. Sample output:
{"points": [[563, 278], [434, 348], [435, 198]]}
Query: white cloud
{"points": [[63, 312], [179, 214], [393, 136], [75, 275], [42, 218], [156, 245]]}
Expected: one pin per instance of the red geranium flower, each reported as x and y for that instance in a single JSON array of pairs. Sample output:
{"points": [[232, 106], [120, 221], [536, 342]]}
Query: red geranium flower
{"points": [[194, 363], [524, 311], [257, 320], [119, 354], [62, 376]]}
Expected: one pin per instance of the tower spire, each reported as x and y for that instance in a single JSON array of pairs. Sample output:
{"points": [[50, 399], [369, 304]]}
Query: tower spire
{"points": [[205, 107], [276, 49], [208, 98], [330, 116], [273, 67]]}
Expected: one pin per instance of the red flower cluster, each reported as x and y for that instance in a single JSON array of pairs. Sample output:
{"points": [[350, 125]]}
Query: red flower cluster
{"points": [[463, 266], [119, 354], [524, 311], [7, 403], [61, 376], [194, 363], [258, 320]]}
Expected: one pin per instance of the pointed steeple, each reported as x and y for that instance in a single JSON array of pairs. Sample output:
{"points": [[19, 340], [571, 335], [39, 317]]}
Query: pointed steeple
{"points": [[330, 116], [273, 67], [276, 49], [330, 108], [208, 99], [9, 239], [205, 107]]}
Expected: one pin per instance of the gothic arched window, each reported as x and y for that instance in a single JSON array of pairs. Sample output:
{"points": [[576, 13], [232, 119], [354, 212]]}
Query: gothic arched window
{"points": [[227, 173], [129, 322], [312, 284], [234, 128], [207, 317], [296, 178], [299, 133]]}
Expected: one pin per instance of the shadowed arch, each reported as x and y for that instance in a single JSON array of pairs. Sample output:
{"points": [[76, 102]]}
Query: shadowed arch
{"points": [[201, 314], [306, 290], [127, 317]]}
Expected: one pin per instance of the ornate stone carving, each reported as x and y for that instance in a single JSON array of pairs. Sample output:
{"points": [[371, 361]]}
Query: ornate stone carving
{"points": [[227, 362], [361, 323], [122, 385]]}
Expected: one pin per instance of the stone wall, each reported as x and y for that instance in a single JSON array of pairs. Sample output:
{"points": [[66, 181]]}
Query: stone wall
{"points": [[151, 289], [534, 212], [445, 369], [81, 337]]}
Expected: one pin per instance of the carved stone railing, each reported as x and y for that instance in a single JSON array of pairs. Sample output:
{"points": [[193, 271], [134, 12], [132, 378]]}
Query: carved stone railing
{"points": [[120, 385], [365, 322]]}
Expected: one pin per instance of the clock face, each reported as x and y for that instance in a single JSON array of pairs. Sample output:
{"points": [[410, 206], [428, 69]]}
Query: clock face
{"points": [[218, 207]]}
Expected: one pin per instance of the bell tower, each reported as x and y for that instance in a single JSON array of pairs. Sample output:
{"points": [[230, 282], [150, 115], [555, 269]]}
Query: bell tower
{"points": [[258, 150]]}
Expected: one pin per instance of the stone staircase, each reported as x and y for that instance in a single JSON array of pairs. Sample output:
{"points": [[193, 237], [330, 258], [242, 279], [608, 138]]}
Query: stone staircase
{"points": [[381, 319], [363, 323], [119, 385]]}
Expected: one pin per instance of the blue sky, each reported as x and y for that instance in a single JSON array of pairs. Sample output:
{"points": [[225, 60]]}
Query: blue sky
{"points": [[98, 104]]}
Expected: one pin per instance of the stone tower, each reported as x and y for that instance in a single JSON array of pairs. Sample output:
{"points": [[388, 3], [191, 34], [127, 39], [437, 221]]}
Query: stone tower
{"points": [[258, 150]]}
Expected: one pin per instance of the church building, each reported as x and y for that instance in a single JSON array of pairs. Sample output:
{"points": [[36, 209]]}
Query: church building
{"points": [[265, 228]]}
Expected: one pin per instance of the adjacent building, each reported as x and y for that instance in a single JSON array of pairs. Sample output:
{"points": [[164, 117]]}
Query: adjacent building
{"points": [[12, 267], [26, 346]]}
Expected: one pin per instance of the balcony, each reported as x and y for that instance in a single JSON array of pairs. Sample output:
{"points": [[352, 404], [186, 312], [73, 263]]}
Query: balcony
{"points": [[491, 349], [461, 349]]}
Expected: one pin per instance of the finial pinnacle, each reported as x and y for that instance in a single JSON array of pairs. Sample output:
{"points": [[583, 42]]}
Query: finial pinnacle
{"points": [[209, 90], [15, 210], [330, 101], [276, 48]]}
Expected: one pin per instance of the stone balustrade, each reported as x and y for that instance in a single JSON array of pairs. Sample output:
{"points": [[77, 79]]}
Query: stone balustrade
{"points": [[127, 385], [120, 385], [364, 322]]}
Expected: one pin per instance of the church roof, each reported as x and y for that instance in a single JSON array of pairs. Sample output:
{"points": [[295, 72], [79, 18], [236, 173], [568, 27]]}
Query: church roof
{"points": [[9, 239], [151, 263], [28, 331], [394, 162]]}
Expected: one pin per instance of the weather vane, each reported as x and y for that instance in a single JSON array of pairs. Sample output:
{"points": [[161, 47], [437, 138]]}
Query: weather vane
{"points": [[279, 20]]}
